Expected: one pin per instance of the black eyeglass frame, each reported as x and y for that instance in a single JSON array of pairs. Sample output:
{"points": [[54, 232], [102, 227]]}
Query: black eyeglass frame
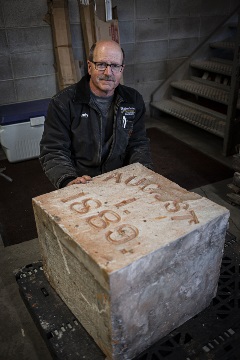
{"points": [[118, 68]]}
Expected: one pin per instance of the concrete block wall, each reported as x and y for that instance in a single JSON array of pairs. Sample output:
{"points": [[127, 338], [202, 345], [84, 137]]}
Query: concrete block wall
{"points": [[26, 52], [156, 35]]}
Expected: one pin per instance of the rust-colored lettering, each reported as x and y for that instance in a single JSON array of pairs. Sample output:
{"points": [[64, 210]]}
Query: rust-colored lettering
{"points": [[151, 188], [125, 202], [158, 197], [139, 182], [103, 219], [122, 234], [175, 206], [84, 206], [192, 217], [117, 176]]}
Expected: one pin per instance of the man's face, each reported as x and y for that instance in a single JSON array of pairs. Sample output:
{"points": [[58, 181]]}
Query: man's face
{"points": [[103, 82]]}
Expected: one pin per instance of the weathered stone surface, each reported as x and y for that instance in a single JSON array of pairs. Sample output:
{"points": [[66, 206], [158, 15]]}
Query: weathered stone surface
{"points": [[132, 254]]}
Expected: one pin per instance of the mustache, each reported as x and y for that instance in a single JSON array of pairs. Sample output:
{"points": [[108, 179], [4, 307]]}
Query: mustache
{"points": [[106, 77]]}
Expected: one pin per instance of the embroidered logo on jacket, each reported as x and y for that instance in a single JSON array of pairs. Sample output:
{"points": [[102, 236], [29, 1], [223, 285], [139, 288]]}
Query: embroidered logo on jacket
{"points": [[128, 115], [84, 115]]}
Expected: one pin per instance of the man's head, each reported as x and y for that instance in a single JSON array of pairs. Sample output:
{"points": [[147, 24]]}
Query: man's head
{"points": [[105, 67]]}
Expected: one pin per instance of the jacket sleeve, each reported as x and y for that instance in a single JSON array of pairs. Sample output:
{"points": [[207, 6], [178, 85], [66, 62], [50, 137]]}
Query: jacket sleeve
{"points": [[55, 146], [138, 149]]}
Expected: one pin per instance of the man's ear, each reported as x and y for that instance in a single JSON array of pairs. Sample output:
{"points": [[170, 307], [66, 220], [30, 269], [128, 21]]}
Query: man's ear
{"points": [[89, 64]]}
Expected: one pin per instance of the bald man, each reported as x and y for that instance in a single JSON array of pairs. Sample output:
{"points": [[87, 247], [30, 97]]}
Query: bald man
{"points": [[96, 125]]}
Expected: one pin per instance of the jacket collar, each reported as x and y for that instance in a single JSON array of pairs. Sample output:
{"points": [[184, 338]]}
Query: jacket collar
{"points": [[82, 91]]}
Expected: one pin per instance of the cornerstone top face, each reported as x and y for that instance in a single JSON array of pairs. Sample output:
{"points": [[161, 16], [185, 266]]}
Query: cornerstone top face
{"points": [[122, 216]]}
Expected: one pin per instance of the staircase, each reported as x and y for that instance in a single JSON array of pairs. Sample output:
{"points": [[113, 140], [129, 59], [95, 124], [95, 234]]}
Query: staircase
{"points": [[204, 91]]}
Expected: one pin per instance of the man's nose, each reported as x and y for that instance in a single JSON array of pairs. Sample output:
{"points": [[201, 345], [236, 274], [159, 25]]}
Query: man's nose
{"points": [[108, 70]]}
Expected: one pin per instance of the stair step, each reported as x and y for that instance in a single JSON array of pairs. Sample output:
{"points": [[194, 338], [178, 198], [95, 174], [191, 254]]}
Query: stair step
{"points": [[222, 60], [216, 84], [223, 45], [207, 121], [200, 108], [205, 91], [213, 66]]}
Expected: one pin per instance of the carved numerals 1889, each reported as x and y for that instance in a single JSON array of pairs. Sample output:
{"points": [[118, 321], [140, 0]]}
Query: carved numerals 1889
{"points": [[103, 219]]}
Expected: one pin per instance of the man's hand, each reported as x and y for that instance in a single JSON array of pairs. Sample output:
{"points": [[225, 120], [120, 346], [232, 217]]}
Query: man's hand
{"points": [[80, 180]]}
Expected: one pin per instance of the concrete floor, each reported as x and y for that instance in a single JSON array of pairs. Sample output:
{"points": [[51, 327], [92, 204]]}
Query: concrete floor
{"points": [[19, 336]]}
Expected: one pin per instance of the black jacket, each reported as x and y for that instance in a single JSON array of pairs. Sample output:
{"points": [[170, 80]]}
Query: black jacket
{"points": [[72, 142]]}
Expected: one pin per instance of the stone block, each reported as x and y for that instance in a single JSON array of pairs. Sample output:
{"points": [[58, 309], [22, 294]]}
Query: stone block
{"points": [[129, 74], [152, 9], [152, 71], [188, 28], [1, 18], [127, 32], [182, 47], [153, 29], [7, 91], [29, 39], [3, 43], [24, 13], [151, 51], [125, 13], [129, 53], [5, 68], [185, 8], [24, 64], [39, 87], [132, 254], [214, 8], [147, 88]]}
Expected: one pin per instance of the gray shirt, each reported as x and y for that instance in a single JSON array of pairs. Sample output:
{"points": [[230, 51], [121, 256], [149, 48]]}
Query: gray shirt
{"points": [[105, 106]]}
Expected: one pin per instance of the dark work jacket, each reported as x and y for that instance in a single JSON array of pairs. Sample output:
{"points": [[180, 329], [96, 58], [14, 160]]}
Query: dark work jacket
{"points": [[71, 144]]}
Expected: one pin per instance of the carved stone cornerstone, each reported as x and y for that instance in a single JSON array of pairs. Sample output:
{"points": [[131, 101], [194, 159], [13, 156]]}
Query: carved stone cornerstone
{"points": [[132, 254]]}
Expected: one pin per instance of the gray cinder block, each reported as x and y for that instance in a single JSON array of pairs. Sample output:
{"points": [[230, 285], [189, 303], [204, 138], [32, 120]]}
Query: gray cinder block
{"points": [[151, 51], [132, 254], [24, 64], [29, 39], [3, 43], [154, 29], [7, 92], [180, 29], [182, 47], [152, 9], [5, 68], [38, 87], [127, 32], [24, 13]]}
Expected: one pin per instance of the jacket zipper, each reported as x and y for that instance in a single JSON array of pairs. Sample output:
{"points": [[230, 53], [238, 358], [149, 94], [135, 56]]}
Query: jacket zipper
{"points": [[119, 100], [94, 107]]}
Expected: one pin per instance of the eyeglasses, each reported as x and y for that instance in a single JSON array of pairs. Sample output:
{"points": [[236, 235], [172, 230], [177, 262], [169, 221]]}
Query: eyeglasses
{"points": [[101, 66]]}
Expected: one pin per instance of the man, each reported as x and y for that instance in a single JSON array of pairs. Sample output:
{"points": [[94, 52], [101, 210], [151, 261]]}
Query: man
{"points": [[96, 125]]}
